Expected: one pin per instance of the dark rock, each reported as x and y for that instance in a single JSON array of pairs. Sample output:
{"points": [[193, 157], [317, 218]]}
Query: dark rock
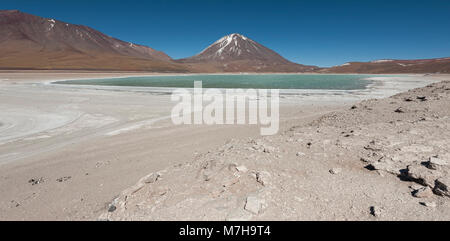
{"points": [[422, 98], [376, 211], [36, 181], [63, 179], [112, 208], [429, 204], [442, 186], [399, 110]]}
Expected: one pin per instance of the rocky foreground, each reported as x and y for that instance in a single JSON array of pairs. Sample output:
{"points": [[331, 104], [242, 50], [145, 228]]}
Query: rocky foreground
{"points": [[382, 159]]}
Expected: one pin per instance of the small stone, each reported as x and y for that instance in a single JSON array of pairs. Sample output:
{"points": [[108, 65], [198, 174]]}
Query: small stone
{"points": [[36, 181], [63, 179], [429, 204], [442, 186], [399, 110], [151, 178], [416, 187], [242, 168], [253, 204], [263, 177], [422, 98], [112, 208], [16, 204], [436, 163], [207, 177], [384, 165], [376, 211], [269, 149], [299, 154], [335, 171], [424, 192], [423, 175]]}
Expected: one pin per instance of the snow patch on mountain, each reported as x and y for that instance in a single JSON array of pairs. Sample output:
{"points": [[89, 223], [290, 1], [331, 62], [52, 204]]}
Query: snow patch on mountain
{"points": [[231, 45], [382, 61], [226, 41], [52, 24]]}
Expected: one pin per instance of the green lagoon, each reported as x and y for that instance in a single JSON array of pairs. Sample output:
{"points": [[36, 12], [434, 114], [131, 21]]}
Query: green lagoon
{"points": [[253, 81]]}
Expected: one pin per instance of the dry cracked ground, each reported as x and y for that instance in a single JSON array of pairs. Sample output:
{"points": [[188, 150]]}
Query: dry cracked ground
{"points": [[382, 159]]}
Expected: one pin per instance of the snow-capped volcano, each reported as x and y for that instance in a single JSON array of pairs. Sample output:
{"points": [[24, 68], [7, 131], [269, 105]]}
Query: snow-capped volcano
{"points": [[238, 47], [235, 52]]}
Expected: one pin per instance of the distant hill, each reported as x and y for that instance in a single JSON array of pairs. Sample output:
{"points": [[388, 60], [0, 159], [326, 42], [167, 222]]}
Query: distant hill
{"points": [[387, 66]]}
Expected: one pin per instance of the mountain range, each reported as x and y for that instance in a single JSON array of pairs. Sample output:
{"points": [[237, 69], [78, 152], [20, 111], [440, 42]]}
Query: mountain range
{"points": [[33, 42], [382, 66]]}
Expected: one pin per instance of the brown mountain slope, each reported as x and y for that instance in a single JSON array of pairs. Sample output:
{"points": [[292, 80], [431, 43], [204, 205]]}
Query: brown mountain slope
{"points": [[237, 53], [386, 66], [32, 42]]}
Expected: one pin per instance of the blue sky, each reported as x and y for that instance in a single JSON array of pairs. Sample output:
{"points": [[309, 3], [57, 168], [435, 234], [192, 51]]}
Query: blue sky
{"points": [[322, 33]]}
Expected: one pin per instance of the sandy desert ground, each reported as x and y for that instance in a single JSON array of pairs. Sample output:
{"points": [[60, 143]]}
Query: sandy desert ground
{"points": [[68, 153]]}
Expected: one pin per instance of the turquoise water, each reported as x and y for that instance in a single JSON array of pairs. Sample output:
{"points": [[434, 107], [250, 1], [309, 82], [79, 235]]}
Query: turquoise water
{"points": [[265, 81]]}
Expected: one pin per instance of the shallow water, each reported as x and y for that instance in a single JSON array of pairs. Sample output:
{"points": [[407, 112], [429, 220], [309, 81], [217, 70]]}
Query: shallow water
{"points": [[262, 81]]}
